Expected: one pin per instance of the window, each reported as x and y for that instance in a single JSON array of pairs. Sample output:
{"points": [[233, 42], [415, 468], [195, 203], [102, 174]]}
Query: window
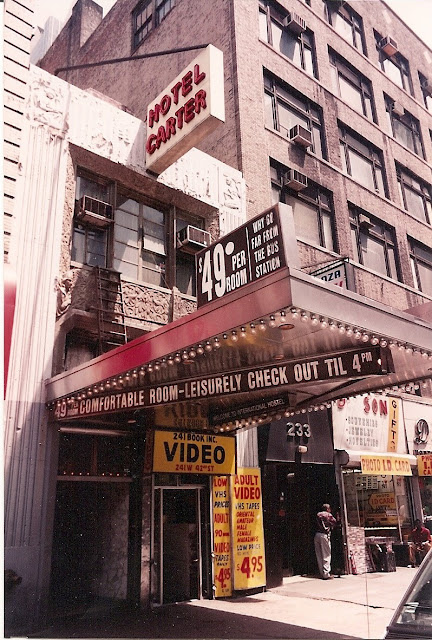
{"points": [[362, 160], [395, 66], [141, 245], [373, 243], [404, 127], [89, 243], [421, 264], [312, 209], [285, 107], [426, 87], [147, 15], [142, 238], [298, 47], [346, 22], [416, 195], [351, 86]]}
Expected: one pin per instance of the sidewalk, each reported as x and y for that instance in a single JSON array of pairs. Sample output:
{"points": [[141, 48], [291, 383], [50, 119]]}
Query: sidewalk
{"points": [[303, 607]]}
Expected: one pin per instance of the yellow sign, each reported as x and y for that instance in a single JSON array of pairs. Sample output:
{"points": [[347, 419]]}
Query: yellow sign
{"points": [[382, 465], [183, 415], [221, 537], [382, 501], [393, 426], [192, 452], [424, 463], [248, 532]]}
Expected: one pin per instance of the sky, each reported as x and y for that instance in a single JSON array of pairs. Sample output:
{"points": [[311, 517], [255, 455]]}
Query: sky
{"points": [[416, 13]]}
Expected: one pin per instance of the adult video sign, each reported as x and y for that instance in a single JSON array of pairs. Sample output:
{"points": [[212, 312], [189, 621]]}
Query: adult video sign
{"points": [[247, 254]]}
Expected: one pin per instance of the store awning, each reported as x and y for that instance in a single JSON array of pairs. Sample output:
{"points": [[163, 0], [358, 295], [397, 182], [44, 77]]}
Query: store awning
{"points": [[287, 342]]}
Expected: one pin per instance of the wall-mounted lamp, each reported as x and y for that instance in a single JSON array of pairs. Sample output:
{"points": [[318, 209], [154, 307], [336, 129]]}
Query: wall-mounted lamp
{"points": [[302, 448]]}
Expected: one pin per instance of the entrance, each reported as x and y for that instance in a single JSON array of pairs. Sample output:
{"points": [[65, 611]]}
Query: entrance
{"points": [[179, 516]]}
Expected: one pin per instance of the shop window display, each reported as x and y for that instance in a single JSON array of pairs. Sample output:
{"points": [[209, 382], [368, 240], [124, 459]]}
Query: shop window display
{"points": [[379, 504]]}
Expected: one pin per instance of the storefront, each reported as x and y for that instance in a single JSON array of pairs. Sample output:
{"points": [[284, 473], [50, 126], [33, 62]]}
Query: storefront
{"points": [[418, 426], [267, 342], [297, 461], [375, 475]]}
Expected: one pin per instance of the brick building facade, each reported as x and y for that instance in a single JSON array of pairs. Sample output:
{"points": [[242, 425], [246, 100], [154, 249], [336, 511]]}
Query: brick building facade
{"points": [[328, 110]]}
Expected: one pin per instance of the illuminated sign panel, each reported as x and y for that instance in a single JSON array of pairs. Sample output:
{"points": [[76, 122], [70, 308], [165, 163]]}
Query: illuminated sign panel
{"points": [[191, 452], [186, 111], [347, 364]]}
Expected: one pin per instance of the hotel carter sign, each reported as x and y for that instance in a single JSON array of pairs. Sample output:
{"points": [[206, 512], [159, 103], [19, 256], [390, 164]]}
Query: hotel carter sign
{"points": [[186, 111], [351, 364]]}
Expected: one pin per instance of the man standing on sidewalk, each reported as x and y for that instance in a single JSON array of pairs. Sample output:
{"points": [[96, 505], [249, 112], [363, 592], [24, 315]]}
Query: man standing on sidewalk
{"points": [[325, 523]]}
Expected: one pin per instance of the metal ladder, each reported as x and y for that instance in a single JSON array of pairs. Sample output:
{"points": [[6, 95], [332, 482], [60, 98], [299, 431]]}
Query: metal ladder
{"points": [[110, 310]]}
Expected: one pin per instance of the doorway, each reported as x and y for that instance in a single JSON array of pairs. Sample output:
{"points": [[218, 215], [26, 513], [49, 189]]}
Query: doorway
{"points": [[177, 544]]}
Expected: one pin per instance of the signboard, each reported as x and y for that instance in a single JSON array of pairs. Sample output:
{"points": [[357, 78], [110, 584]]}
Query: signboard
{"points": [[192, 452], [186, 111], [333, 273], [382, 465], [249, 253], [418, 426], [183, 415], [221, 537], [368, 423], [424, 464], [311, 430], [347, 364], [248, 532]]}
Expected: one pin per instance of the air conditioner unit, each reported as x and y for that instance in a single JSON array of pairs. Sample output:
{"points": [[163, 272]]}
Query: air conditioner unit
{"points": [[294, 180], [389, 46], [294, 23], [301, 136], [365, 222], [94, 212], [427, 88], [192, 239], [398, 109]]}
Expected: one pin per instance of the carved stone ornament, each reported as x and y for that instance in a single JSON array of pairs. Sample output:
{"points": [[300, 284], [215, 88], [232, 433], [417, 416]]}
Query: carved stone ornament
{"points": [[48, 102], [64, 293]]}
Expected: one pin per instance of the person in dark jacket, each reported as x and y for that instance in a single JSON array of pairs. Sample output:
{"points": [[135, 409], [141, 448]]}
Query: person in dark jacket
{"points": [[325, 524]]}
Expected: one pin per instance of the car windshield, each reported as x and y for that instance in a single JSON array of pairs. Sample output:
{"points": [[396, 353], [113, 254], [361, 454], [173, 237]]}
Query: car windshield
{"points": [[415, 612]]}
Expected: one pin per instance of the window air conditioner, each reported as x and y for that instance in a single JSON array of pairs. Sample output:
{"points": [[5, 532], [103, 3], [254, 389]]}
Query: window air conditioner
{"points": [[294, 23], [427, 87], [389, 46], [301, 136], [192, 239], [398, 109], [294, 180], [94, 212], [365, 222]]}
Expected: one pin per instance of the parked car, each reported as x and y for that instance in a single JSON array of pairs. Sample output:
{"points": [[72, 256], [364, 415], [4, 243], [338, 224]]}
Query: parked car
{"points": [[413, 616]]}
